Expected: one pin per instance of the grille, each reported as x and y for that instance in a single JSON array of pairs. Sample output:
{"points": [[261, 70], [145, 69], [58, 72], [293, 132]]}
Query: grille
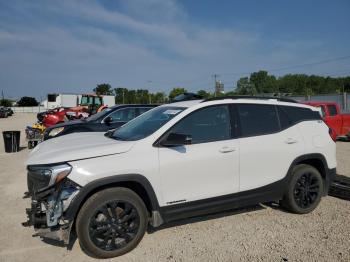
{"points": [[37, 178]]}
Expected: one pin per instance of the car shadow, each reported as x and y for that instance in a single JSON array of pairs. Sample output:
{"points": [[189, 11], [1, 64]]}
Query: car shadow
{"points": [[343, 139], [196, 219], [57, 243]]}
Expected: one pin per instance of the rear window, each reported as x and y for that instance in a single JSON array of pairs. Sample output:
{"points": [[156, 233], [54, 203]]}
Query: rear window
{"points": [[290, 115], [257, 119]]}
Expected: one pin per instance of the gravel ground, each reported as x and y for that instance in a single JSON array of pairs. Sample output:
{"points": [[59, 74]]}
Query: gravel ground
{"points": [[261, 233]]}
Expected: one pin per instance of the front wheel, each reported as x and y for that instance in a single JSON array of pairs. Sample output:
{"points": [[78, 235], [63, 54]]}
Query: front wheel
{"points": [[304, 191], [111, 222]]}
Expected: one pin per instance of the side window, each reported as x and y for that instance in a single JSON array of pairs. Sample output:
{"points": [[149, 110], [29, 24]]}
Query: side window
{"points": [[298, 114], [285, 121], [332, 110], [206, 125], [123, 115], [257, 119]]}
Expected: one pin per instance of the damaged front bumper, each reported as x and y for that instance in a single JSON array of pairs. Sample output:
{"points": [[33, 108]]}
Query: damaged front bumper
{"points": [[47, 212]]}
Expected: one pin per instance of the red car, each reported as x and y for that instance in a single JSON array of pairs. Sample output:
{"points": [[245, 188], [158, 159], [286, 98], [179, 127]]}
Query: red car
{"points": [[331, 113]]}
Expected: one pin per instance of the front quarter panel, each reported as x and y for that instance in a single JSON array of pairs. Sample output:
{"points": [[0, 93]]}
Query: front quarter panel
{"points": [[141, 159]]}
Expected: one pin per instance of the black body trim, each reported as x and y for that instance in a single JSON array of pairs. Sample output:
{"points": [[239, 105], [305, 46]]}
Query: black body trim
{"points": [[94, 186], [268, 193], [271, 192]]}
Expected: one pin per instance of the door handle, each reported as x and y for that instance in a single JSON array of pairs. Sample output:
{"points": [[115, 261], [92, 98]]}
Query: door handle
{"points": [[291, 141], [227, 149]]}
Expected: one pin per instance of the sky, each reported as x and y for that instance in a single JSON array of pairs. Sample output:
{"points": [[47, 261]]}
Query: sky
{"points": [[70, 46]]}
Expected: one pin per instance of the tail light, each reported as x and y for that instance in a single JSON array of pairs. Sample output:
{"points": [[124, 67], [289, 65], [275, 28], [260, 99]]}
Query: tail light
{"points": [[332, 134]]}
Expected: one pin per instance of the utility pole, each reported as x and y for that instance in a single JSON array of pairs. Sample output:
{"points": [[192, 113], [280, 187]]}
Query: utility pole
{"points": [[123, 96], [215, 76], [2, 94], [149, 82]]}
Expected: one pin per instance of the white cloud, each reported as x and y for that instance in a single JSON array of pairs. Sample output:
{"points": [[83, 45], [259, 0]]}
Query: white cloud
{"points": [[73, 45]]}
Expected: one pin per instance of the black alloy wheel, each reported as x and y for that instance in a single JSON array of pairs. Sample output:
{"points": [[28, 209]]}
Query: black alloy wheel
{"points": [[114, 225], [306, 190], [111, 222]]}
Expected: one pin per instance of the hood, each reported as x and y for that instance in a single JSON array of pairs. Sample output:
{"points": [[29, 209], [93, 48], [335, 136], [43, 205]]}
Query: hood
{"points": [[76, 146]]}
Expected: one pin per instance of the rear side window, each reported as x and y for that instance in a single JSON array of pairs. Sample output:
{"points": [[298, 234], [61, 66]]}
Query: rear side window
{"points": [[290, 115], [332, 110], [257, 119]]}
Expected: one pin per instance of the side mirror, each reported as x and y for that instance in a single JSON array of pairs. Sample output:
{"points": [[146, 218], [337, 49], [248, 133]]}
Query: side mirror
{"points": [[108, 120], [174, 139]]}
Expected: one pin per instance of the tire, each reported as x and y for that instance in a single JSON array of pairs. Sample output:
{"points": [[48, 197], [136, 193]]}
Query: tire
{"points": [[304, 191], [124, 223]]}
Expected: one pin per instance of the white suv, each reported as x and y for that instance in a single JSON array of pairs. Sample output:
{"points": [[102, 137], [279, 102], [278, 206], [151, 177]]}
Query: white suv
{"points": [[176, 161]]}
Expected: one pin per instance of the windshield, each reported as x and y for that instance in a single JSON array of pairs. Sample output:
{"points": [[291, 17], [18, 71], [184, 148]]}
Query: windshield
{"points": [[147, 123], [98, 115]]}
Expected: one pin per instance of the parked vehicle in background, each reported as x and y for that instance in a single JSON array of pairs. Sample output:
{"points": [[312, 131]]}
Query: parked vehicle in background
{"points": [[331, 114], [175, 161], [9, 111], [89, 104], [3, 112], [53, 116], [110, 118]]}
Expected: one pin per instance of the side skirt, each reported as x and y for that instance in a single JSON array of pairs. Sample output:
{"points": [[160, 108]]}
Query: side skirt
{"points": [[271, 192]]}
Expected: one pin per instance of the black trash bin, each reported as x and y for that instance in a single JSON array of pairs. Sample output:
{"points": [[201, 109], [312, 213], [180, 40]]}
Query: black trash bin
{"points": [[11, 141]]}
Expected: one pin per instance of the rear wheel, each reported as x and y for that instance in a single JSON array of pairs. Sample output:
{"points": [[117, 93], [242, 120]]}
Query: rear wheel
{"points": [[111, 223], [305, 190]]}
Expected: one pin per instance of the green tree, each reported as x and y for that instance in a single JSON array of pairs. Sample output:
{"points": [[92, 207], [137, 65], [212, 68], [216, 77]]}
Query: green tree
{"points": [[120, 95], [263, 82], [245, 87], [142, 96], [176, 91], [158, 98], [204, 94], [103, 89], [27, 101], [5, 102]]}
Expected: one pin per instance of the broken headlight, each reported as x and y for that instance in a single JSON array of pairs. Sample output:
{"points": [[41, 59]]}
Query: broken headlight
{"points": [[40, 177]]}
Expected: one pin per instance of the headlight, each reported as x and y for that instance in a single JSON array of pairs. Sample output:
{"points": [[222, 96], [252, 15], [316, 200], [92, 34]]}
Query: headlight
{"points": [[59, 173], [56, 131], [40, 177]]}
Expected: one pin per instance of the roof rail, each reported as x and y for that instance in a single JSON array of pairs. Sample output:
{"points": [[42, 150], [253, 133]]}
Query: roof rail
{"points": [[282, 99]]}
